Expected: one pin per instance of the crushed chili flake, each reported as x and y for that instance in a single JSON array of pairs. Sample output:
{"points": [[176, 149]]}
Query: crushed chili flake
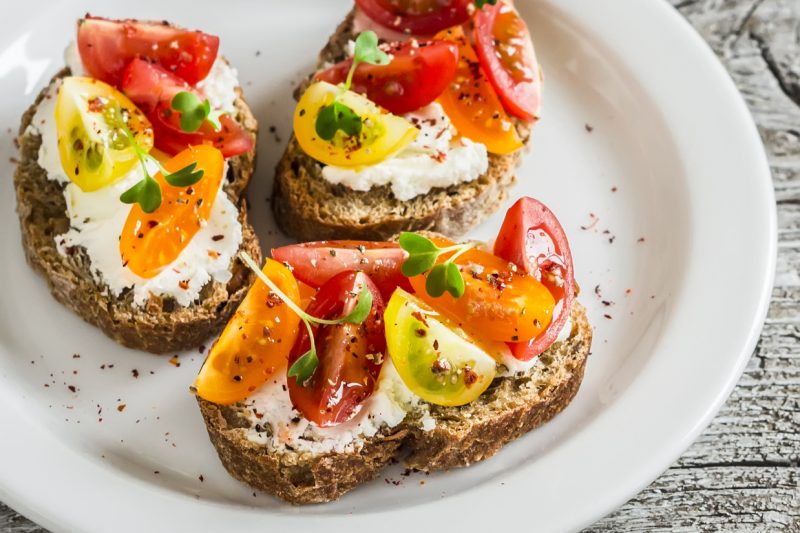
{"points": [[594, 220], [135, 373], [72, 388], [641, 239], [607, 316], [217, 237], [588, 127], [184, 284], [174, 361], [121, 407]]}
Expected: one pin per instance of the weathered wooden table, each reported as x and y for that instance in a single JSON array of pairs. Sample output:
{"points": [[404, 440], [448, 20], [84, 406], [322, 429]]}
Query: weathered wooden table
{"points": [[743, 473]]}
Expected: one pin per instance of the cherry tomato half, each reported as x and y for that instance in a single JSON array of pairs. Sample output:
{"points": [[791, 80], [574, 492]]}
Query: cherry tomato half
{"points": [[151, 241], [107, 46], [416, 17], [350, 356], [317, 262], [472, 103], [500, 302], [93, 148], [504, 46], [532, 238], [416, 76], [256, 342], [152, 88], [435, 359]]}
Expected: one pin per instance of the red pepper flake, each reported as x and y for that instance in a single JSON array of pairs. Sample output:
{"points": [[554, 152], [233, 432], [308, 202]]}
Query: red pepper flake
{"points": [[121, 407], [217, 237], [201, 348], [470, 377], [184, 284], [588, 127], [76, 356], [607, 316], [201, 478], [135, 373], [592, 224], [614, 189], [641, 239], [607, 303], [174, 361], [597, 291], [213, 254], [72, 388]]}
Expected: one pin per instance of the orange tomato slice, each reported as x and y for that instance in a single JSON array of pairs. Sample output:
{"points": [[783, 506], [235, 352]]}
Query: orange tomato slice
{"points": [[151, 241], [256, 342], [500, 302], [471, 102]]}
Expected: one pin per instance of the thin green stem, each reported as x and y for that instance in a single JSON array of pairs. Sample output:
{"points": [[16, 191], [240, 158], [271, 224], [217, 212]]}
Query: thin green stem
{"points": [[463, 248], [313, 347], [274, 288]]}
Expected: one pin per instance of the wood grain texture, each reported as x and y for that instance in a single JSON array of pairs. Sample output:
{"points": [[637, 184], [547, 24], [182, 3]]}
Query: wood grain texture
{"points": [[743, 473]]}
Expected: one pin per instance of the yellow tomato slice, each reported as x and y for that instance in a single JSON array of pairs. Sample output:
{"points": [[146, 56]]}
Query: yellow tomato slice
{"points": [[151, 241], [435, 359], [256, 342], [500, 302], [472, 104], [95, 150], [382, 134]]}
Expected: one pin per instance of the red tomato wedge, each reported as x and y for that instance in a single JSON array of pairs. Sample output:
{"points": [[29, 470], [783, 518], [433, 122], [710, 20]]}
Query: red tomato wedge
{"points": [[107, 46], [416, 76], [416, 17], [532, 238], [315, 263], [151, 241], [350, 356], [472, 103], [505, 49], [152, 88]]}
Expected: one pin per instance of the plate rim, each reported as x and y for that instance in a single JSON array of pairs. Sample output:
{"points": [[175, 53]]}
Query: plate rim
{"points": [[63, 519]]}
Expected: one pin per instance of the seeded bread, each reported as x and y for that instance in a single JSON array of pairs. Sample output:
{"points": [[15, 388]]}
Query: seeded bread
{"points": [[511, 407], [161, 325], [310, 208]]}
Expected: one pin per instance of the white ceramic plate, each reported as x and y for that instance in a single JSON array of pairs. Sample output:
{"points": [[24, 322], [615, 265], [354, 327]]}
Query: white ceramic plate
{"points": [[669, 133]]}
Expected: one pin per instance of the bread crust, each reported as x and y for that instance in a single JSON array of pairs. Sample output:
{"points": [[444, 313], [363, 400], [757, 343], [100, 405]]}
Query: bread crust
{"points": [[161, 325], [310, 208], [463, 435]]}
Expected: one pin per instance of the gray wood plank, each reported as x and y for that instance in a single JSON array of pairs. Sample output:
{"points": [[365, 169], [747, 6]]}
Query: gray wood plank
{"points": [[743, 472]]}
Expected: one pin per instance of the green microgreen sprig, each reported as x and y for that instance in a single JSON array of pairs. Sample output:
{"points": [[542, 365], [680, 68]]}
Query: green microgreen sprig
{"points": [[303, 369], [336, 115], [146, 192], [422, 256], [195, 112], [480, 3]]}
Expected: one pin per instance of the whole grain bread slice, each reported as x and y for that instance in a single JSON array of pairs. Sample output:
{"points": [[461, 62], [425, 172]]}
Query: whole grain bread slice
{"points": [[308, 207], [161, 325], [511, 407]]}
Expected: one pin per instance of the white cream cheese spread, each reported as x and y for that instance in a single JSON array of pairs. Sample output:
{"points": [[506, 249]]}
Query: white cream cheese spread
{"points": [[278, 426], [436, 158]]}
